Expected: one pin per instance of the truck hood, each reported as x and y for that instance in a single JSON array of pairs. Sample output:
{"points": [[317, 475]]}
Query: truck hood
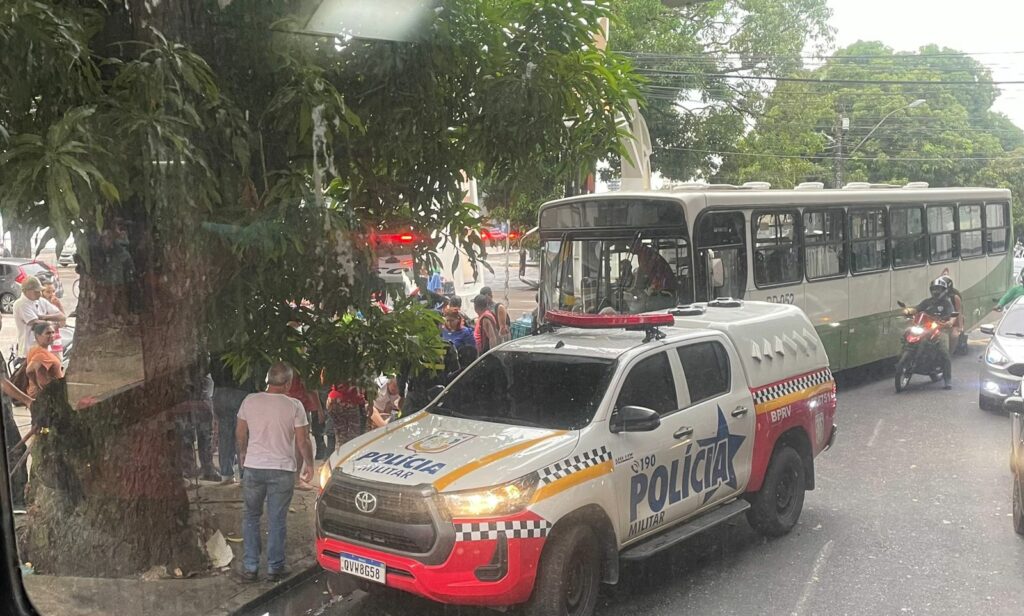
{"points": [[452, 453]]}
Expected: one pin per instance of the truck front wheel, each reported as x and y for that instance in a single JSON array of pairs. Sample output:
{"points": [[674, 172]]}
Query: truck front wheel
{"points": [[569, 575], [775, 509]]}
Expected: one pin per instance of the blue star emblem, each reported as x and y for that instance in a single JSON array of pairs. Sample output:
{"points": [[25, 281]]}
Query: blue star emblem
{"points": [[732, 443]]}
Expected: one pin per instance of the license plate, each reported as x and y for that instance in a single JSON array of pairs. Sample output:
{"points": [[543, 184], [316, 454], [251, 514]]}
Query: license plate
{"points": [[366, 568]]}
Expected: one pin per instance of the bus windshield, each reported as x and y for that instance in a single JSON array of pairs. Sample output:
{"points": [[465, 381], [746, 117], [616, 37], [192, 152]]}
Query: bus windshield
{"points": [[626, 274]]}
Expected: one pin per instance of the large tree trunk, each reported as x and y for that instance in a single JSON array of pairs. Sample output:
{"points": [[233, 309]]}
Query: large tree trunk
{"points": [[21, 238], [107, 496]]}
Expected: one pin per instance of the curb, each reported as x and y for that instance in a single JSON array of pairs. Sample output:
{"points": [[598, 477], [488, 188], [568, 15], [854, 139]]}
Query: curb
{"points": [[251, 598]]}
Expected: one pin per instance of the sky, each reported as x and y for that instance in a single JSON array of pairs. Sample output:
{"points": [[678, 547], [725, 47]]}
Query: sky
{"points": [[989, 28]]}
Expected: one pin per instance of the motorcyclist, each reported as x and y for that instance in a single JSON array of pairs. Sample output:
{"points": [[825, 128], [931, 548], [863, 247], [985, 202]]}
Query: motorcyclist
{"points": [[1012, 293], [957, 335], [939, 306]]}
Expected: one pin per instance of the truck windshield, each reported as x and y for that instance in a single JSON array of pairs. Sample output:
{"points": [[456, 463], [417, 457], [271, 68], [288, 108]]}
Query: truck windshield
{"points": [[530, 389]]}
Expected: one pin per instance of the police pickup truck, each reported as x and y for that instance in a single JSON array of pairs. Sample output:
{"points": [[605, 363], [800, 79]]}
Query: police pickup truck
{"points": [[558, 456]]}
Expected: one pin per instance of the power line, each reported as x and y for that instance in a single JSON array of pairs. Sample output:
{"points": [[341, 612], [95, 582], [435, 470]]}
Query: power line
{"points": [[830, 157], [897, 55], [901, 82]]}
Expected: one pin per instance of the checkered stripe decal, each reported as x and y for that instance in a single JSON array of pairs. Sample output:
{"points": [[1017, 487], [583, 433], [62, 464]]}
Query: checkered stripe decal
{"points": [[519, 529], [556, 471], [800, 383]]}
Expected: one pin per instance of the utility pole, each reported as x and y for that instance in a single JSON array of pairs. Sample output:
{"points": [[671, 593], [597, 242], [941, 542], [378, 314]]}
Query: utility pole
{"points": [[840, 159]]}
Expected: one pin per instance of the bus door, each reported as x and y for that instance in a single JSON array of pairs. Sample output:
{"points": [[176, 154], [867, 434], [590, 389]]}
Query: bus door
{"points": [[721, 259]]}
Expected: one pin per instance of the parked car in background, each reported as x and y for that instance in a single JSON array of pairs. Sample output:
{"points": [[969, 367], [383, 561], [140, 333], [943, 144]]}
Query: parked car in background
{"points": [[67, 255], [1005, 349], [14, 271], [492, 235]]}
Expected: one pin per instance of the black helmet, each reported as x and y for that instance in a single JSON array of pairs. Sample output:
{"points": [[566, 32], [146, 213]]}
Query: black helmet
{"points": [[949, 281], [940, 285]]}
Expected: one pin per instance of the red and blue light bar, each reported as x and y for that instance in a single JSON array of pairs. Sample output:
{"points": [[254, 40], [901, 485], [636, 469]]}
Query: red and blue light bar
{"points": [[597, 321]]}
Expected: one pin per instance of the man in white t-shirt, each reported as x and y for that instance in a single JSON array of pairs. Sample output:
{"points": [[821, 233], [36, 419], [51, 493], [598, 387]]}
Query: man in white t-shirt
{"points": [[270, 427], [32, 308]]}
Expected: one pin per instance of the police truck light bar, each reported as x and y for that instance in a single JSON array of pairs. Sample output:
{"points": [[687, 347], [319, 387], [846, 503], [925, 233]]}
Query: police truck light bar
{"points": [[593, 321]]}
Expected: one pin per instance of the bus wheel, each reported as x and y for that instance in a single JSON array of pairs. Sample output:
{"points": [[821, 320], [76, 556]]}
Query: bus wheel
{"points": [[904, 370], [775, 508], [569, 575]]}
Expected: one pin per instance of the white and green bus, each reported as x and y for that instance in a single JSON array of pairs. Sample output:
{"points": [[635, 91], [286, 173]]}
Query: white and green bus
{"points": [[845, 256]]}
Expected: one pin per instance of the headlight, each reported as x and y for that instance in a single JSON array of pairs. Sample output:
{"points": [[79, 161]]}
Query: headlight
{"points": [[325, 474], [505, 499], [917, 330], [995, 357]]}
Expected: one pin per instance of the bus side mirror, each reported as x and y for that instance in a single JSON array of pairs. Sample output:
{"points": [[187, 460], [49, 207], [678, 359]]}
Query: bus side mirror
{"points": [[717, 273], [988, 329]]}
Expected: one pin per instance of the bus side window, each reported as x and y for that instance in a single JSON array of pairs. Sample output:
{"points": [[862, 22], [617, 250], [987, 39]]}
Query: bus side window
{"points": [[825, 243], [776, 249], [725, 275]]}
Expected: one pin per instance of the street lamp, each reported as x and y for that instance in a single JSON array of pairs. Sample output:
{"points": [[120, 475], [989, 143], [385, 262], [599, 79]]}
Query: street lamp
{"points": [[916, 103]]}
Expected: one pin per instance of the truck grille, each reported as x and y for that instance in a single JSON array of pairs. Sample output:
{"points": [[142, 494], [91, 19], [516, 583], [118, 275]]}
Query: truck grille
{"points": [[393, 505], [379, 538], [402, 520]]}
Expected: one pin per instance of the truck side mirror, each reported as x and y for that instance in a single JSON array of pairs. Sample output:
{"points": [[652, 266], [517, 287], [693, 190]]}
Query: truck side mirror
{"points": [[634, 419], [988, 329]]}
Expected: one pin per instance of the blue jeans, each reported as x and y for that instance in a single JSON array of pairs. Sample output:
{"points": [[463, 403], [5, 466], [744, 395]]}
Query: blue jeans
{"points": [[276, 488]]}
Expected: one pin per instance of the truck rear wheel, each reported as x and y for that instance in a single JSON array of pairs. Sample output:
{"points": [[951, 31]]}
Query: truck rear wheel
{"points": [[569, 575], [775, 508]]}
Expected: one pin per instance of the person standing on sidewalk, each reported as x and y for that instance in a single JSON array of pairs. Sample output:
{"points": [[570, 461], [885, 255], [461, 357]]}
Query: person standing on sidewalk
{"points": [[12, 437], [271, 425], [486, 332], [30, 309], [500, 314], [228, 395]]}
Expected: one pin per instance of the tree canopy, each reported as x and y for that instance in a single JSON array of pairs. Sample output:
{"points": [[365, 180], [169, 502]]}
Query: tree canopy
{"points": [[911, 116], [689, 54], [237, 164]]}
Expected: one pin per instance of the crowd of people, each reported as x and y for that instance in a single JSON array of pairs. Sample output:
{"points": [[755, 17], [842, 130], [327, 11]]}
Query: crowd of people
{"points": [[265, 433]]}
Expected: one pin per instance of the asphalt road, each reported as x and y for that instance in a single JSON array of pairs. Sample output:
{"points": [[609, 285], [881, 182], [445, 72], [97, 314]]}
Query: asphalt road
{"points": [[911, 516]]}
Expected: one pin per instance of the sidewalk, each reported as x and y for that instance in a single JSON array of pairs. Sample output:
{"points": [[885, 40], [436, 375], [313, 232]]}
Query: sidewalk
{"points": [[218, 592]]}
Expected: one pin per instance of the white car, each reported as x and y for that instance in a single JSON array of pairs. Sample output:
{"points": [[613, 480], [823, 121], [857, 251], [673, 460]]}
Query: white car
{"points": [[67, 255], [555, 457]]}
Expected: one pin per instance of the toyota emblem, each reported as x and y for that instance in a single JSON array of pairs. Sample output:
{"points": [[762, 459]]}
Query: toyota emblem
{"points": [[366, 502]]}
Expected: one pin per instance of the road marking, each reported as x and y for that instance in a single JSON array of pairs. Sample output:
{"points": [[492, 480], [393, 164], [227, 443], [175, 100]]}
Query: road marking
{"points": [[874, 435], [809, 586]]}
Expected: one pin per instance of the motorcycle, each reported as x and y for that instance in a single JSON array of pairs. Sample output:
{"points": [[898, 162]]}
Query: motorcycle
{"points": [[920, 353]]}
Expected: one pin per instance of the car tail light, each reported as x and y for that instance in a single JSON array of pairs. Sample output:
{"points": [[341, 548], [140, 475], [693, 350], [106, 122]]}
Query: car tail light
{"points": [[22, 275], [485, 234], [396, 238]]}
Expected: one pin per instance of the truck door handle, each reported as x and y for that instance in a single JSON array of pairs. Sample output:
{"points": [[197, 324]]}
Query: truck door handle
{"points": [[740, 411], [683, 432]]}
